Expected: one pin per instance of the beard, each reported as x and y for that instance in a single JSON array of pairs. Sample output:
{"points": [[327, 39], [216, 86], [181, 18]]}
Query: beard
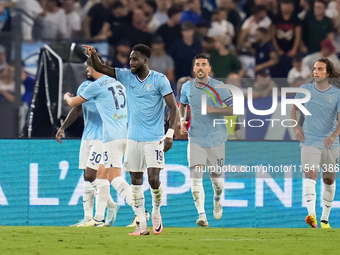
{"points": [[320, 80], [201, 76], [90, 78], [137, 70]]}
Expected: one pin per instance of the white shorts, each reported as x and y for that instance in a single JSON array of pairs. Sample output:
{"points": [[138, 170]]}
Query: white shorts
{"points": [[140, 155], [212, 156], [114, 152], [326, 159], [90, 154]]}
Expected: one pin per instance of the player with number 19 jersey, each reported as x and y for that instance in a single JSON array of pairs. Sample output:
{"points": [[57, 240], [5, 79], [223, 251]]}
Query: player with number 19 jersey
{"points": [[146, 104]]}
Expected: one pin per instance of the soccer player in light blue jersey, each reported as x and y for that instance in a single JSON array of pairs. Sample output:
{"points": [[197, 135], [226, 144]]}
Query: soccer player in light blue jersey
{"points": [[89, 155], [110, 99], [319, 137], [146, 91], [206, 146]]}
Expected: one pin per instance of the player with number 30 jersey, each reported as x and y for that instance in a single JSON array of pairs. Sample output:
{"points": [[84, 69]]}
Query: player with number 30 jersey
{"points": [[110, 98]]}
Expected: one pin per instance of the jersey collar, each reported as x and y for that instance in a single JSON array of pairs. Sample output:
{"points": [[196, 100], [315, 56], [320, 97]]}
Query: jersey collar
{"points": [[200, 84], [330, 86], [144, 78]]}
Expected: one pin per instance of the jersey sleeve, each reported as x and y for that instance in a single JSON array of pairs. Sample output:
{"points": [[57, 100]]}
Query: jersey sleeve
{"points": [[226, 96], [338, 104], [185, 91], [81, 87], [300, 95], [91, 91], [122, 75], [164, 85]]}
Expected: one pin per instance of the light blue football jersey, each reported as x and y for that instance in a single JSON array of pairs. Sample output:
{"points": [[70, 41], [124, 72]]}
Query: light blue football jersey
{"points": [[324, 107], [146, 104], [202, 130], [93, 129], [110, 98]]}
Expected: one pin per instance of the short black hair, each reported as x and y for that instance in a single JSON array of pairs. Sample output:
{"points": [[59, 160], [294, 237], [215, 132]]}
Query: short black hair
{"points": [[173, 10], [258, 8], [286, 2], [325, 3], [142, 48], [152, 4], [117, 4], [202, 55]]}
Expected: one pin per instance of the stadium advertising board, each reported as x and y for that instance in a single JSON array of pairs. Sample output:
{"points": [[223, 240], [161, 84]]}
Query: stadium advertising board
{"points": [[40, 184]]}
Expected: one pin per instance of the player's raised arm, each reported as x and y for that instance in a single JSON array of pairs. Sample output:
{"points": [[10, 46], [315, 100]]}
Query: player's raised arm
{"points": [[70, 119], [101, 68], [97, 64], [171, 103]]}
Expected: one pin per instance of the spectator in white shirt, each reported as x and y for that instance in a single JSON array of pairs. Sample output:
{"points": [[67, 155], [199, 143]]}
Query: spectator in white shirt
{"points": [[32, 8], [53, 21], [248, 29], [220, 26], [327, 51], [162, 11], [299, 74], [73, 20]]}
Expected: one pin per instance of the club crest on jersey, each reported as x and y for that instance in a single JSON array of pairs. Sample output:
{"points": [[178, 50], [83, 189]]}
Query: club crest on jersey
{"points": [[148, 86], [330, 99]]}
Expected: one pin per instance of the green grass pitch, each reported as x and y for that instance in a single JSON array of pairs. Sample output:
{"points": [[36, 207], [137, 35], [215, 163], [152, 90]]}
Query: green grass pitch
{"points": [[205, 241]]}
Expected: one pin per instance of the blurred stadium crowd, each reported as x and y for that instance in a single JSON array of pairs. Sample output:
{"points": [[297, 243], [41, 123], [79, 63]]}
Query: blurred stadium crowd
{"points": [[254, 39]]}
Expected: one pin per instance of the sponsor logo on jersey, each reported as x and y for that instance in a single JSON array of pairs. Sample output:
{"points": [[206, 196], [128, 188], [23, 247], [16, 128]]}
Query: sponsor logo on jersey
{"points": [[119, 117]]}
